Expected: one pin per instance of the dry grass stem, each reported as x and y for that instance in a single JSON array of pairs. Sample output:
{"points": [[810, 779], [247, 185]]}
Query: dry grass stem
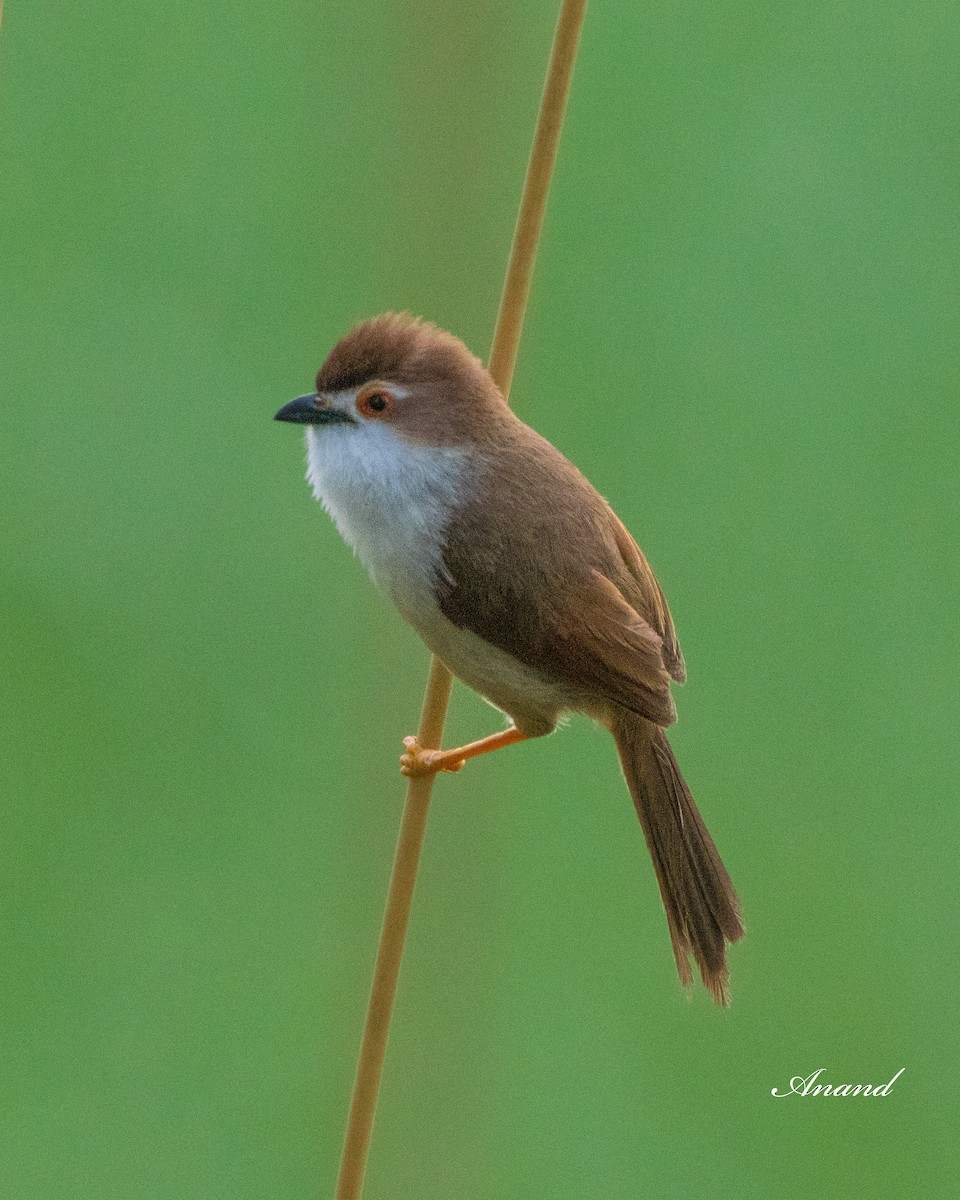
{"points": [[503, 357]]}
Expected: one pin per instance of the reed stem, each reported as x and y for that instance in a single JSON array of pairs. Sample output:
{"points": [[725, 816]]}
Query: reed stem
{"points": [[503, 357]]}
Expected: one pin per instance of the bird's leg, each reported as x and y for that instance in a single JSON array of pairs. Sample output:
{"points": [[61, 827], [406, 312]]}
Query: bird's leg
{"points": [[417, 761]]}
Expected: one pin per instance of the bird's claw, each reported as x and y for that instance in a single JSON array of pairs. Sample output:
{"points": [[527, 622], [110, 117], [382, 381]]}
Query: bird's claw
{"points": [[418, 762]]}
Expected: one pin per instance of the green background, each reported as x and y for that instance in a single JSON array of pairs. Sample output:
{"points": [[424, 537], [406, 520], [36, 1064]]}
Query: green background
{"points": [[743, 329]]}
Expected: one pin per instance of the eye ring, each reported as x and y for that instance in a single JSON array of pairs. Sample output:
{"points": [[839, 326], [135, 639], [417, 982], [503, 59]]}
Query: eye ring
{"points": [[375, 403]]}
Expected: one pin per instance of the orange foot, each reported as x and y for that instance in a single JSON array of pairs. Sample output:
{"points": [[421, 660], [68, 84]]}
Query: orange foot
{"points": [[418, 761]]}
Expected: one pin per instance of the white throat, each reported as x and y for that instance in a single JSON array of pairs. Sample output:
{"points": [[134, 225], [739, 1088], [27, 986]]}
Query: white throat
{"points": [[390, 498]]}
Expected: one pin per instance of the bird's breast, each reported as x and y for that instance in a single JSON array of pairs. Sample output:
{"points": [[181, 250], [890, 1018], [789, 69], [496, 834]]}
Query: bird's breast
{"points": [[395, 505], [392, 502]]}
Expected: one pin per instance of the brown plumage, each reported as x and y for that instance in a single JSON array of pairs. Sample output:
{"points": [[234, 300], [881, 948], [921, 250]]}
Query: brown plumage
{"points": [[520, 576]]}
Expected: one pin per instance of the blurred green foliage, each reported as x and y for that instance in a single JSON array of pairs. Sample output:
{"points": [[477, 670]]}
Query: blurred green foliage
{"points": [[744, 330]]}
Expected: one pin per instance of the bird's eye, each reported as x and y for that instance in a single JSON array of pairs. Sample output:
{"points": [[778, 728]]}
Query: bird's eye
{"points": [[375, 403]]}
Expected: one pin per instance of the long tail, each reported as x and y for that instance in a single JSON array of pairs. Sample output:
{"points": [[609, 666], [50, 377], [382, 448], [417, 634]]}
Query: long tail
{"points": [[703, 910]]}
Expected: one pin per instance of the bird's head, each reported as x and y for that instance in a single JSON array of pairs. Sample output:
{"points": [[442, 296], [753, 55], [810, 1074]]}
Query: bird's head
{"points": [[398, 379]]}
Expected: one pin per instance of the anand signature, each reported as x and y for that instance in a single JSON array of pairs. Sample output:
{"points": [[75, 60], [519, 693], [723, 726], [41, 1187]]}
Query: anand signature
{"points": [[808, 1086]]}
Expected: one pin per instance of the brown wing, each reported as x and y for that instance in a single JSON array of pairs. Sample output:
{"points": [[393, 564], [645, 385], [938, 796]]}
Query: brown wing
{"points": [[648, 598], [560, 585], [594, 642], [614, 652]]}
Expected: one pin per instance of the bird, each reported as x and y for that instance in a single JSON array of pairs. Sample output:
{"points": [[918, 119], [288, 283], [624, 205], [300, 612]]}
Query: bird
{"points": [[520, 578]]}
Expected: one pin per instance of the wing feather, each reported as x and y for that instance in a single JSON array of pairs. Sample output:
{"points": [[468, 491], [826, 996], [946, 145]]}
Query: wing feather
{"points": [[562, 586], [650, 600]]}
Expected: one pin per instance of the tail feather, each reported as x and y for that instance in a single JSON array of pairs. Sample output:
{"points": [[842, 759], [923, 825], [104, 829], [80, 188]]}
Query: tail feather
{"points": [[702, 907]]}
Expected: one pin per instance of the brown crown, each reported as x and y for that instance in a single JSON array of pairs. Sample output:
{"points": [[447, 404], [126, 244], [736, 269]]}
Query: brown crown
{"points": [[399, 348]]}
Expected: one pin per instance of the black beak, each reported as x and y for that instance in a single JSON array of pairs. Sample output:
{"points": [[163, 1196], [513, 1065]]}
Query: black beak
{"points": [[310, 410]]}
